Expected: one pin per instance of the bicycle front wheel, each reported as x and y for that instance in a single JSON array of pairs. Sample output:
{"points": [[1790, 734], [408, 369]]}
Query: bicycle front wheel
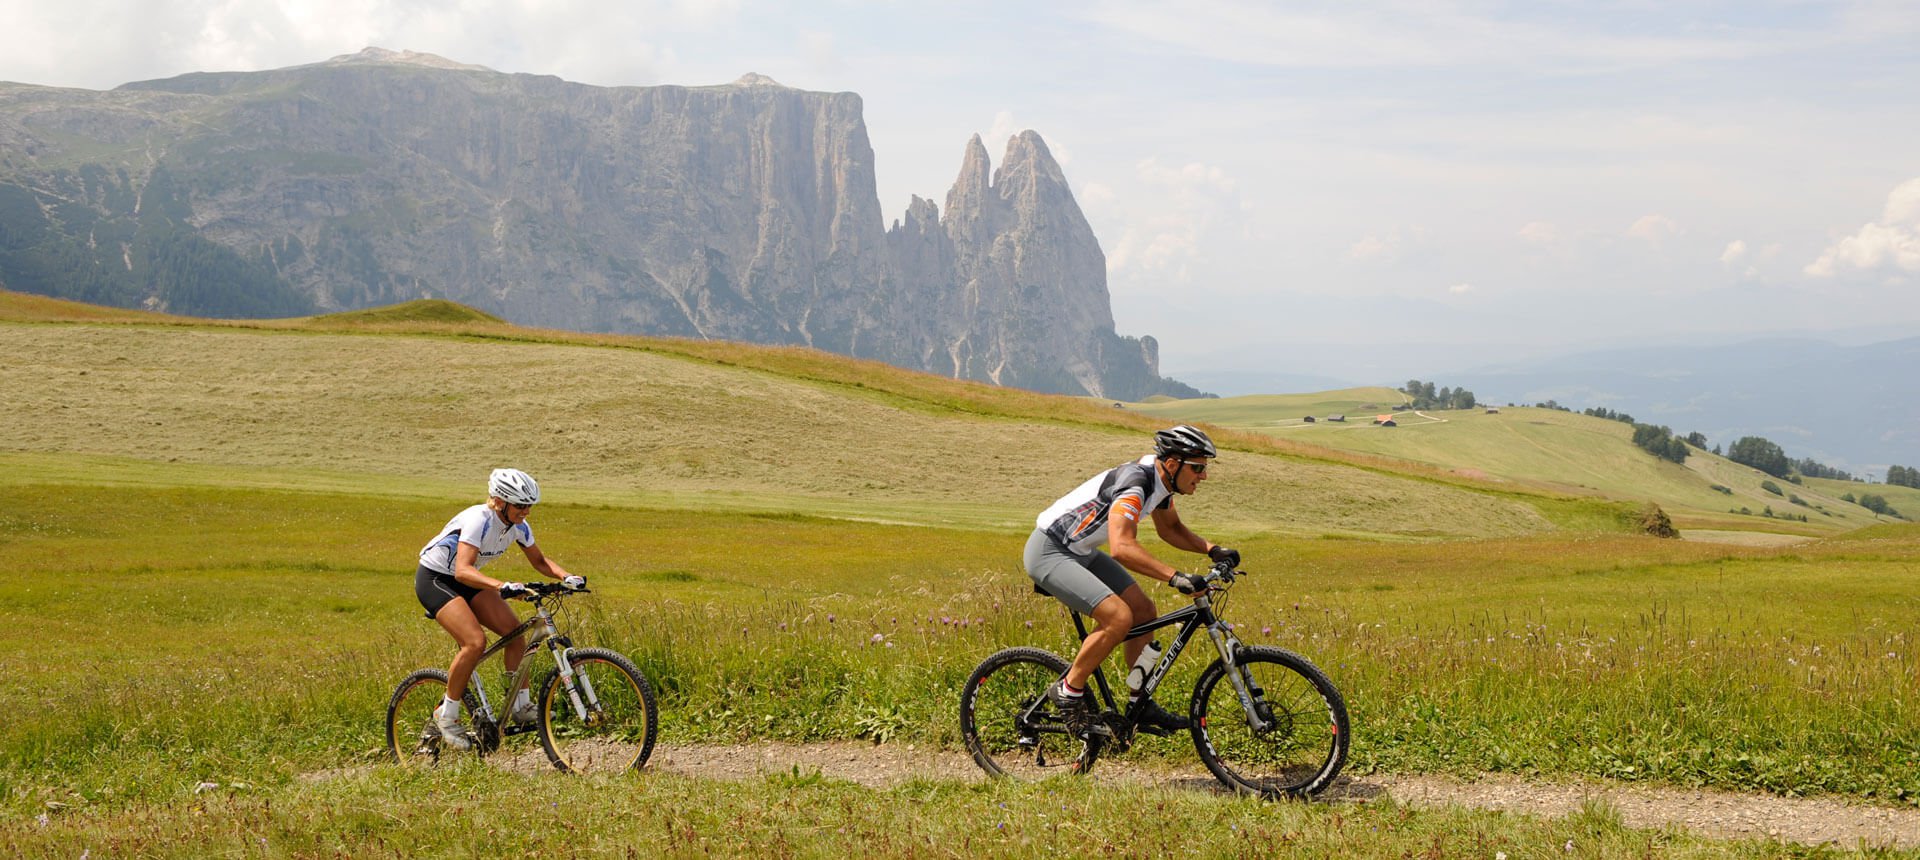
{"points": [[1295, 741], [614, 726], [1010, 727], [412, 735]]}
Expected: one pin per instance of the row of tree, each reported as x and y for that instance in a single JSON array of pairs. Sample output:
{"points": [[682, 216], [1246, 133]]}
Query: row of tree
{"points": [[1903, 476], [1815, 469], [1423, 395]]}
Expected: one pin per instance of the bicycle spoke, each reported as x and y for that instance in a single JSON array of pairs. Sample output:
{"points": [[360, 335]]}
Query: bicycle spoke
{"points": [[1299, 753], [1008, 724], [413, 738], [614, 728]]}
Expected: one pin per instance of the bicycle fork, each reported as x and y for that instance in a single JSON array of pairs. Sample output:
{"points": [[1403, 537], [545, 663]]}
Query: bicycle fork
{"points": [[1253, 700], [576, 683]]}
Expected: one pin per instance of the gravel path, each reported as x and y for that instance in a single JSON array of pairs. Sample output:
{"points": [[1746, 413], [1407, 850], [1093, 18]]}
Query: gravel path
{"points": [[1808, 821]]}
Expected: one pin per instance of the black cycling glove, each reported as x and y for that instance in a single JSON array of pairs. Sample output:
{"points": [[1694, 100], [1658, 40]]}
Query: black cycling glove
{"points": [[1187, 583], [1223, 555]]}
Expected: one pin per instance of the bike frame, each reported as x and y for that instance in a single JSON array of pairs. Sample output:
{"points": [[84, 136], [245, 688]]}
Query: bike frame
{"points": [[557, 645], [1190, 618]]}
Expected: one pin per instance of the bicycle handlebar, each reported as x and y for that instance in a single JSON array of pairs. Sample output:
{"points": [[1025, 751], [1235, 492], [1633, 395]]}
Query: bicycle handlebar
{"points": [[1221, 576], [536, 590]]}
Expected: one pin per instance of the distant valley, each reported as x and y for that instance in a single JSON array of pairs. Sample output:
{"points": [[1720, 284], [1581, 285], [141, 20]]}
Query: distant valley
{"points": [[1854, 407]]}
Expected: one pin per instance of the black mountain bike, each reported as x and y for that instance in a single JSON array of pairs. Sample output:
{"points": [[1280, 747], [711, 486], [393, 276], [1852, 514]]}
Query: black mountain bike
{"points": [[1265, 720], [595, 711]]}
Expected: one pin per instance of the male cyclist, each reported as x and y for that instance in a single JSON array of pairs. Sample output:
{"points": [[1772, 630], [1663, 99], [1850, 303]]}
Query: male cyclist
{"points": [[456, 594], [1063, 557]]}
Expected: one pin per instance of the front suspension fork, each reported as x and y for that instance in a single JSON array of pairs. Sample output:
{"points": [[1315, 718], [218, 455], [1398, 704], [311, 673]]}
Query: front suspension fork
{"points": [[1244, 688], [575, 683]]}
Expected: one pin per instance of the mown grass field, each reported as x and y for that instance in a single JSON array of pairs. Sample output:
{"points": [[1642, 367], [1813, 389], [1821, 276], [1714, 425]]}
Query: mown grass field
{"points": [[231, 603], [1544, 449]]}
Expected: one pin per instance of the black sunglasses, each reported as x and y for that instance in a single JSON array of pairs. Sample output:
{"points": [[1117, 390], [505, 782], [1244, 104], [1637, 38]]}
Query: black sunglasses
{"points": [[1198, 468]]}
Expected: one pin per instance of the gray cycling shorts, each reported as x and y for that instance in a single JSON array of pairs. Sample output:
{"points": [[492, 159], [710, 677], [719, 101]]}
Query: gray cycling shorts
{"points": [[1080, 582]]}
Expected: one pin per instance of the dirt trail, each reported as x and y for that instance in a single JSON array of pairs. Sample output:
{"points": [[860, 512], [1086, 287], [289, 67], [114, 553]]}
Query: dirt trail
{"points": [[1809, 821]]}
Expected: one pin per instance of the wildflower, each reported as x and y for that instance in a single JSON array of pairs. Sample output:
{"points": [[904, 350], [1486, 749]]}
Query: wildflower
{"points": [[1266, 630], [878, 637], [1029, 625], [829, 618]]}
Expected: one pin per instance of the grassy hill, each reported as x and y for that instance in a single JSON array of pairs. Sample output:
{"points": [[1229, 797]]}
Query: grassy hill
{"points": [[423, 399], [1543, 449], [217, 520]]}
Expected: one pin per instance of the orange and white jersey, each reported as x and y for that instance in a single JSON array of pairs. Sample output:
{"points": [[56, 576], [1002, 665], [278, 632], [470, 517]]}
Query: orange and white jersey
{"points": [[1078, 521]]}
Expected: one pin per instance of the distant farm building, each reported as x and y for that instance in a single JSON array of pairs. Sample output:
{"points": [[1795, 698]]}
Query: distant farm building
{"points": [[1493, 410], [1308, 419], [1383, 419], [1388, 422], [1336, 418]]}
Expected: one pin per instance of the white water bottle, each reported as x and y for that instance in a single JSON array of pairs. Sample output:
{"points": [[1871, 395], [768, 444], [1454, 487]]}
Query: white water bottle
{"points": [[1137, 676]]}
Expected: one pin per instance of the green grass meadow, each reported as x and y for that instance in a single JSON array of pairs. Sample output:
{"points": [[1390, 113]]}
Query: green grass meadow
{"points": [[231, 604]]}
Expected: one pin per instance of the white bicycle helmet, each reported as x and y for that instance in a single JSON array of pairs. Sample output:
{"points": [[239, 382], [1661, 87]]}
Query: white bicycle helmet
{"points": [[513, 486]]}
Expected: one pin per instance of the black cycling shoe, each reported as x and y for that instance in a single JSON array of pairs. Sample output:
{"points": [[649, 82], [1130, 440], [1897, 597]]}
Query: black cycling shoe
{"points": [[1073, 710], [1149, 717]]}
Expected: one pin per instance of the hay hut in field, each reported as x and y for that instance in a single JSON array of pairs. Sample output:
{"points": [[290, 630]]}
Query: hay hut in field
{"points": [[1336, 418], [1308, 419]]}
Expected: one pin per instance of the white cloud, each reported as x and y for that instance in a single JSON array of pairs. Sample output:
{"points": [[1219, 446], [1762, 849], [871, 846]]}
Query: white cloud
{"points": [[1389, 247], [1178, 206], [1096, 193], [1373, 247], [1539, 232], [819, 48], [1735, 252], [1893, 242], [625, 44], [1416, 34], [1654, 229], [1460, 289], [1003, 128]]}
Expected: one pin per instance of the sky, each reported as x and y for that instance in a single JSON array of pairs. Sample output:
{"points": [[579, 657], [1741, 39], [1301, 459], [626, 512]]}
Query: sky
{"points": [[1368, 192]]}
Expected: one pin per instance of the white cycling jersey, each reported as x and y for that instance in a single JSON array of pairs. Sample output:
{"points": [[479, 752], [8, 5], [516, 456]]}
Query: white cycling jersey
{"points": [[478, 526], [1078, 521]]}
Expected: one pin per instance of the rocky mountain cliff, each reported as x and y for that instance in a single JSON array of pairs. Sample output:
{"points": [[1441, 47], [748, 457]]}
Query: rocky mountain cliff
{"points": [[743, 212]]}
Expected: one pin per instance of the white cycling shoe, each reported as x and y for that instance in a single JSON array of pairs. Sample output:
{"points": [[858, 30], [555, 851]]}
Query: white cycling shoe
{"points": [[451, 731], [524, 713]]}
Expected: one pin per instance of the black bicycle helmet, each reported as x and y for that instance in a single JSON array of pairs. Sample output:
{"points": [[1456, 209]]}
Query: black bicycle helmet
{"points": [[1183, 441]]}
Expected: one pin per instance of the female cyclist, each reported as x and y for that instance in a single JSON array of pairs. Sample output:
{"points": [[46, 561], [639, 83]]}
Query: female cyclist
{"points": [[456, 594]]}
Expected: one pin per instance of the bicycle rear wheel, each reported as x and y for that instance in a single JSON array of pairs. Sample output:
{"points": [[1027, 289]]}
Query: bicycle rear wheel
{"points": [[412, 736], [1304, 744], [618, 729], [1010, 727]]}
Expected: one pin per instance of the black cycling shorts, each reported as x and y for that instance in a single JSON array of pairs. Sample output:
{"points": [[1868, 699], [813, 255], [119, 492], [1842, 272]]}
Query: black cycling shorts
{"points": [[436, 589]]}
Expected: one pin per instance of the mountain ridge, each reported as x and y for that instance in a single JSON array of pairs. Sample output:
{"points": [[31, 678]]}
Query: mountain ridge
{"points": [[744, 211]]}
